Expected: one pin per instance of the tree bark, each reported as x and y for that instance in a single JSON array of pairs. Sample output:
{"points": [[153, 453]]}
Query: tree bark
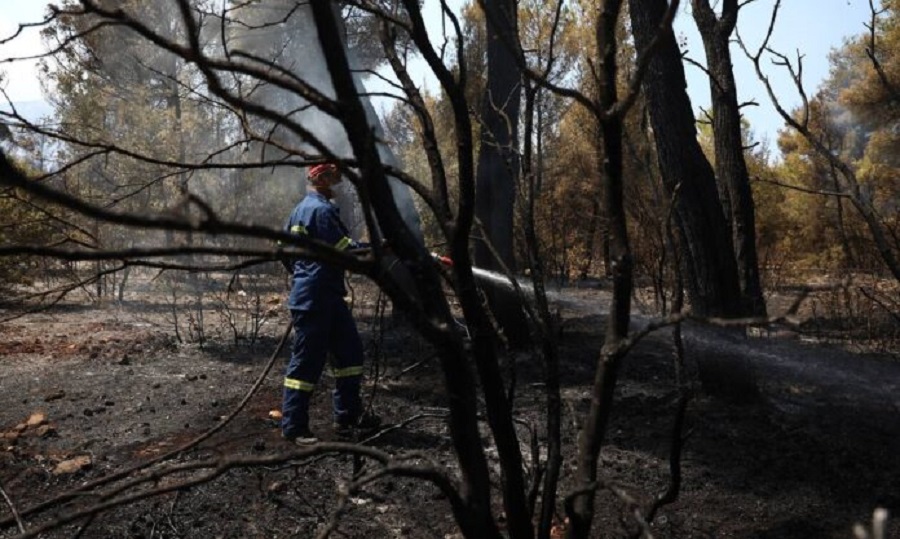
{"points": [[730, 167], [709, 266], [498, 162]]}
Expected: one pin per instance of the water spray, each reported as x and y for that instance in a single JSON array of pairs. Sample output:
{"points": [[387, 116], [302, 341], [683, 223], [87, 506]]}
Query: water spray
{"points": [[495, 280]]}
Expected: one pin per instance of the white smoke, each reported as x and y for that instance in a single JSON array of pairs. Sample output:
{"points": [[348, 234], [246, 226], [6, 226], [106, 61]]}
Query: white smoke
{"points": [[284, 33]]}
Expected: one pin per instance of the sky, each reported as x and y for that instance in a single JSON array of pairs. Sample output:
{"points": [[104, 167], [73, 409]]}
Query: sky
{"points": [[20, 77], [808, 27], [811, 28]]}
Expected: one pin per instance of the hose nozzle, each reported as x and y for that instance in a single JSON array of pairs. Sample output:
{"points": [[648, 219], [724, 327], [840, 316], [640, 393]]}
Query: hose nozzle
{"points": [[445, 260]]}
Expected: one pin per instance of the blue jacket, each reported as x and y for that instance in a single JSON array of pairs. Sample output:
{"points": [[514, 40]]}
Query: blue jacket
{"points": [[316, 217]]}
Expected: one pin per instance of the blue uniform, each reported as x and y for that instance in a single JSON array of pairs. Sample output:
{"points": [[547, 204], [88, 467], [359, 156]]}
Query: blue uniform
{"points": [[322, 321]]}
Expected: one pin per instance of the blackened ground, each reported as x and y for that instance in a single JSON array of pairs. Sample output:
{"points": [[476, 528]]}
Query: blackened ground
{"points": [[784, 439]]}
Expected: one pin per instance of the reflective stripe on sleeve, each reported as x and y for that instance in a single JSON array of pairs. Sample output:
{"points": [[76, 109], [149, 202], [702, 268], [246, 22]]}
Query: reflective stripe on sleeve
{"points": [[348, 371], [343, 243], [299, 229], [299, 385]]}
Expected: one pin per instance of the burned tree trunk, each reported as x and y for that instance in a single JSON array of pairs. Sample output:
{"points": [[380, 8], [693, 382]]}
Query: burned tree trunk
{"points": [[731, 168], [498, 162], [473, 512], [709, 266]]}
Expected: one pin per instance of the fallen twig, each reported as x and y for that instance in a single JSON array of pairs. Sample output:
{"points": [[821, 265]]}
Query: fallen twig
{"points": [[12, 507]]}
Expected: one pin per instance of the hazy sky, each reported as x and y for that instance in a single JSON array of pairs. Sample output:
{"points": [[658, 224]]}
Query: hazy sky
{"points": [[810, 27], [20, 80]]}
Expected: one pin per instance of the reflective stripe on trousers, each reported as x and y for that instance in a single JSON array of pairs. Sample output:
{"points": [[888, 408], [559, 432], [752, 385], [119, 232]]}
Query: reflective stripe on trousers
{"points": [[327, 328], [299, 385]]}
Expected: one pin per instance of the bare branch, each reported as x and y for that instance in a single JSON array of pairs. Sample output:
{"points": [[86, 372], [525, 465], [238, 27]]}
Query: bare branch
{"points": [[893, 312], [57, 294], [699, 66], [211, 224], [871, 53], [439, 199], [210, 67], [209, 469], [707, 116], [802, 189], [12, 508]]}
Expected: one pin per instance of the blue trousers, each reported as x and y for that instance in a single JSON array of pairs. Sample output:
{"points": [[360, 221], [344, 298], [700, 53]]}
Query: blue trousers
{"points": [[328, 327]]}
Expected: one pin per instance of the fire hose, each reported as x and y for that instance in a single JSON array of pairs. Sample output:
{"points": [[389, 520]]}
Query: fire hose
{"points": [[439, 258]]}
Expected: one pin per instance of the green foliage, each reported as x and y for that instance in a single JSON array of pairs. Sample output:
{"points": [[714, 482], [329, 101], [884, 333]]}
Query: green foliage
{"points": [[769, 200], [854, 114]]}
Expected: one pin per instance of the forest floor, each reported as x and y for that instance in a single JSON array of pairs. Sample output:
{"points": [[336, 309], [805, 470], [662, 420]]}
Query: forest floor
{"points": [[785, 439]]}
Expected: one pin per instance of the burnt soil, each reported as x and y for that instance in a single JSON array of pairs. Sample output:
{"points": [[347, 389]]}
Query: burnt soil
{"points": [[783, 439]]}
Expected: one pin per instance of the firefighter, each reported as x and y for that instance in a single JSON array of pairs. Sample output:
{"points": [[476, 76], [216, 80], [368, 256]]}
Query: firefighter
{"points": [[321, 318]]}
